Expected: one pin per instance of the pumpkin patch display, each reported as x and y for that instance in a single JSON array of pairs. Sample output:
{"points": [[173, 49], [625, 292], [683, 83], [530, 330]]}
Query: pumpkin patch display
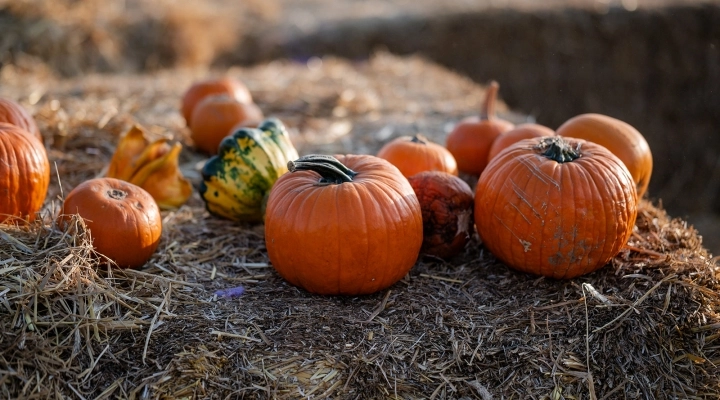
{"points": [[216, 116], [213, 86], [123, 219], [24, 174], [621, 138], [557, 207], [152, 166], [13, 113], [447, 203], [348, 225], [520, 132], [414, 154], [470, 140], [237, 180]]}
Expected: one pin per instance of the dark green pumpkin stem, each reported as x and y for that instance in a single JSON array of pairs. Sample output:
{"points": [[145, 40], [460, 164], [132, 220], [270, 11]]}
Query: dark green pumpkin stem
{"points": [[418, 138], [488, 109], [330, 169], [558, 149]]}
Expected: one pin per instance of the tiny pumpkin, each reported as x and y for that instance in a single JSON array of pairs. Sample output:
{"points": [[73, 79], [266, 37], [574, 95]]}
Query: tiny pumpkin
{"points": [[447, 203], [557, 207], [348, 225], [24, 174], [123, 219], [520, 132], [215, 117], [199, 90], [621, 138], [470, 140], [413, 154], [13, 113]]}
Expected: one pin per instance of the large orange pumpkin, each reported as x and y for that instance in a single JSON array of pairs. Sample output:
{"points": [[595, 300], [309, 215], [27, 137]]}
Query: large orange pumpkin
{"points": [[414, 154], [557, 207], [348, 225], [216, 116], [621, 138], [24, 174], [123, 219], [199, 90], [13, 113], [470, 140], [520, 132]]}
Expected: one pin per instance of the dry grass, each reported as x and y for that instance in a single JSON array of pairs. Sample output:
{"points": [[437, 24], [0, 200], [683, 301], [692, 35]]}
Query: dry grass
{"points": [[645, 326]]}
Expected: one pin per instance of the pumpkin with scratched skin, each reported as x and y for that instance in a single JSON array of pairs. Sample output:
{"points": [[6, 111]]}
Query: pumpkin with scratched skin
{"points": [[348, 225], [557, 207], [237, 180]]}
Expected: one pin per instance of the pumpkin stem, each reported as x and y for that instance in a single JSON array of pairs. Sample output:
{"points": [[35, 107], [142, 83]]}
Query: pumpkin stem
{"points": [[116, 194], [418, 138], [558, 149], [330, 169], [488, 109]]}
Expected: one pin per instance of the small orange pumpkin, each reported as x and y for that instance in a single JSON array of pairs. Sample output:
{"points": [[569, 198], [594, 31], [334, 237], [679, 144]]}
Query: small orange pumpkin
{"points": [[520, 132], [557, 207], [416, 154], [470, 140], [216, 116], [446, 202], [347, 225], [24, 174], [13, 113], [621, 138], [123, 219], [199, 90]]}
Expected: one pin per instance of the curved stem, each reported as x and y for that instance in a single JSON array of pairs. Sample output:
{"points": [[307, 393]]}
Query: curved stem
{"points": [[488, 109], [418, 138], [330, 169], [558, 149]]}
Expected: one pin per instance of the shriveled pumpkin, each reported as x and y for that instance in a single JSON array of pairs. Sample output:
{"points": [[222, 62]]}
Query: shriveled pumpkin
{"points": [[470, 140], [212, 86], [24, 174], [621, 138], [154, 166], [123, 219], [557, 207], [447, 203], [413, 154], [237, 180], [13, 113], [518, 133], [216, 116], [348, 225]]}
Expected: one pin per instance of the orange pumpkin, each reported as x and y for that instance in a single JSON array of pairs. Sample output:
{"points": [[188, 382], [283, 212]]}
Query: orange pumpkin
{"points": [[446, 202], [13, 113], [470, 140], [215, 117], [520, 132], [620, 138], [24, 174], [348, 225], [199, 90], [557, 207], [123, 219], [416, 154]]}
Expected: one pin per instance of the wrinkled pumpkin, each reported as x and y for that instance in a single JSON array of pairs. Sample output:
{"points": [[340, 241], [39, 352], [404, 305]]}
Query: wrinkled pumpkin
{"points": [[152, 166], [237, 180]]}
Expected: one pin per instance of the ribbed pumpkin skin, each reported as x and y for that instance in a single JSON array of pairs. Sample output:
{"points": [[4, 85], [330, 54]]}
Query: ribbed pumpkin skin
{"points": [[412, 155], [24, 173], [559, 220], [518, 133], [13, 113], [351, 238]]}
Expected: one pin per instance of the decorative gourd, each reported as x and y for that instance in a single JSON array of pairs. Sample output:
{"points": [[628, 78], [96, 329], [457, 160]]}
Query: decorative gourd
{"points": [[470, 140], [416, 154], [237, 180], [348, 225], [447, 203], [520, 132], [557, 207], [24, 174], [620, 138], [215, 117], [199, 90], [13, 113], [123, 219]]}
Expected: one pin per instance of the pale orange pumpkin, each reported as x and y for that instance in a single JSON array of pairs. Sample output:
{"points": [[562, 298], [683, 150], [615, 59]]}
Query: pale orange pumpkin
{"points": [[200, 90]]}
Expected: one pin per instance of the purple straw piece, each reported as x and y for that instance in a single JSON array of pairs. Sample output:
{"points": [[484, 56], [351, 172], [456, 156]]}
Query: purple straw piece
{"points": [[231, 292]]}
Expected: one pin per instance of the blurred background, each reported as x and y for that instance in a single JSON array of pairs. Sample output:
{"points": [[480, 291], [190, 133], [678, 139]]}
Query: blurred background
{"points": [[652, 63]]}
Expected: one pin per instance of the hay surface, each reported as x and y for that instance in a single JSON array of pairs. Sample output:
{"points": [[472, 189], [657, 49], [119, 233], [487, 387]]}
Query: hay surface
{"points": [[645, 326]]}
